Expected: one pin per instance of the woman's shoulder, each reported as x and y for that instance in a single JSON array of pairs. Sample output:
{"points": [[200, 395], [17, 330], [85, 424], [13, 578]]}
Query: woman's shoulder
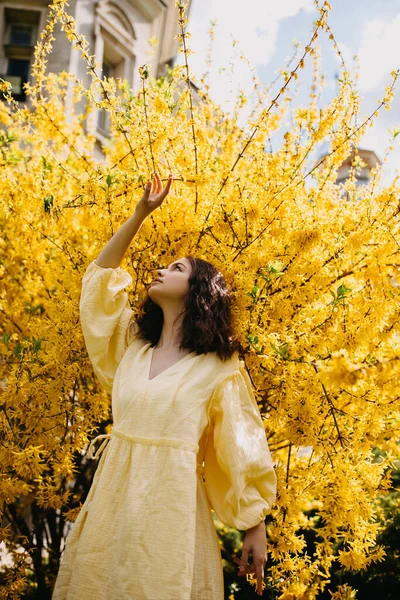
{"points": [[217, 368]]}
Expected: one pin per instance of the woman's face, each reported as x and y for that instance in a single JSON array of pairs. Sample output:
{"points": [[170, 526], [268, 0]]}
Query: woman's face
{"points": [[173, 284]]}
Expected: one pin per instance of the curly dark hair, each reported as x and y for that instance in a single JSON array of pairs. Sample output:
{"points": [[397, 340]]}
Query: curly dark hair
{"points": [[207, 321]]}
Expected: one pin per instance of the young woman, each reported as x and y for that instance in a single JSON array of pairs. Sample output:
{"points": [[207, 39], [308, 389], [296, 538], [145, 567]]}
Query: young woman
{"points": [[187, 435]]}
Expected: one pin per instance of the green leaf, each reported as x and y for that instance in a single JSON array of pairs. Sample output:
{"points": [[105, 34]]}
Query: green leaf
{"points": [[394, 132], [48, 203], [46, 166], [342, 290]]}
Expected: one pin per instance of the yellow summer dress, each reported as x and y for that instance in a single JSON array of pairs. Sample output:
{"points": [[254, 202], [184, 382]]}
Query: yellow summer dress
{"points": [[188, 440]]}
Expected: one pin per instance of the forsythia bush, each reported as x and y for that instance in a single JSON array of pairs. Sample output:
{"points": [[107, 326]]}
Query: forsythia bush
{"points": [[312, 266]]}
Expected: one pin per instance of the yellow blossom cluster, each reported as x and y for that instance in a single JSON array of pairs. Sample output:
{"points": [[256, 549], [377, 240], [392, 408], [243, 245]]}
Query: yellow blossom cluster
{"points": [[313, 268]]}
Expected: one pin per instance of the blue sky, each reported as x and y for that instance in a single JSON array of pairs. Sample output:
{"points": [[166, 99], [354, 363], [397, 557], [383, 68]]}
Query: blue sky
{"points": [[265, 31]]}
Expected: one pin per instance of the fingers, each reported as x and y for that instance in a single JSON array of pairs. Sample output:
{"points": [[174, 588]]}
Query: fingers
{"points": [[245, 556], [169, 182], [260, 577], [257, 566], [159, 182], [243, 562], [158, 185], [147, 190], [164, 191]]}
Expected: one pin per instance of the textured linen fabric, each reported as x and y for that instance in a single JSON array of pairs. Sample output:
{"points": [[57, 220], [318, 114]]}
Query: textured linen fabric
{"points": [[145, 530]]}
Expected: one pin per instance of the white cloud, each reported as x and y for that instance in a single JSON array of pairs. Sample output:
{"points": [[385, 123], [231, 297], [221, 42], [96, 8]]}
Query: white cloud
{"points": [[255, 24], [378, 52]]}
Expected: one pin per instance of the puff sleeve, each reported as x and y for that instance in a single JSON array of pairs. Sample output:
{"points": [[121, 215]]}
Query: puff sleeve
{"points": [[105, 317], [240, 480]]}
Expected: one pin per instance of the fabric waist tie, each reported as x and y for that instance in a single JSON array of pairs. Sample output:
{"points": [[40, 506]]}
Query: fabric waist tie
{"points": [[141, 440]]}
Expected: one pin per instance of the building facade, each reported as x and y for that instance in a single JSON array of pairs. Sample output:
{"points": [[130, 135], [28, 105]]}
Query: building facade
{"points": [[365, 162], [118, 33]]}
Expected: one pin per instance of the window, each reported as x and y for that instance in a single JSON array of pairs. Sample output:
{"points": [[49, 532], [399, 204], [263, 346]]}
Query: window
{"points": [[113, 66], [20, 35], [114, 49], [103, 122]]}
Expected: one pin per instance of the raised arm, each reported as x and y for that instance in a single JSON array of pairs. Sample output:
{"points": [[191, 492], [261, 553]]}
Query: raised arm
{"points": [[112, 254], [105, 312]]}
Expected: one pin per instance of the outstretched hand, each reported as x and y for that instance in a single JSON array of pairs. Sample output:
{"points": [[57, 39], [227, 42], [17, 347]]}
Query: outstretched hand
{"points": [[154, 194], [255, 543]]}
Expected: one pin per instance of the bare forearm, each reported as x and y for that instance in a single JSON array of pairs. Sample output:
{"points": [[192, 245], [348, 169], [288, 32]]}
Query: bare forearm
{"points": [[114, 251], [112, 254]]}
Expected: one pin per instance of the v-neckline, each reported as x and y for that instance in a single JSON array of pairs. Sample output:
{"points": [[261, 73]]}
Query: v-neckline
{"points": [[167, 369]]}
